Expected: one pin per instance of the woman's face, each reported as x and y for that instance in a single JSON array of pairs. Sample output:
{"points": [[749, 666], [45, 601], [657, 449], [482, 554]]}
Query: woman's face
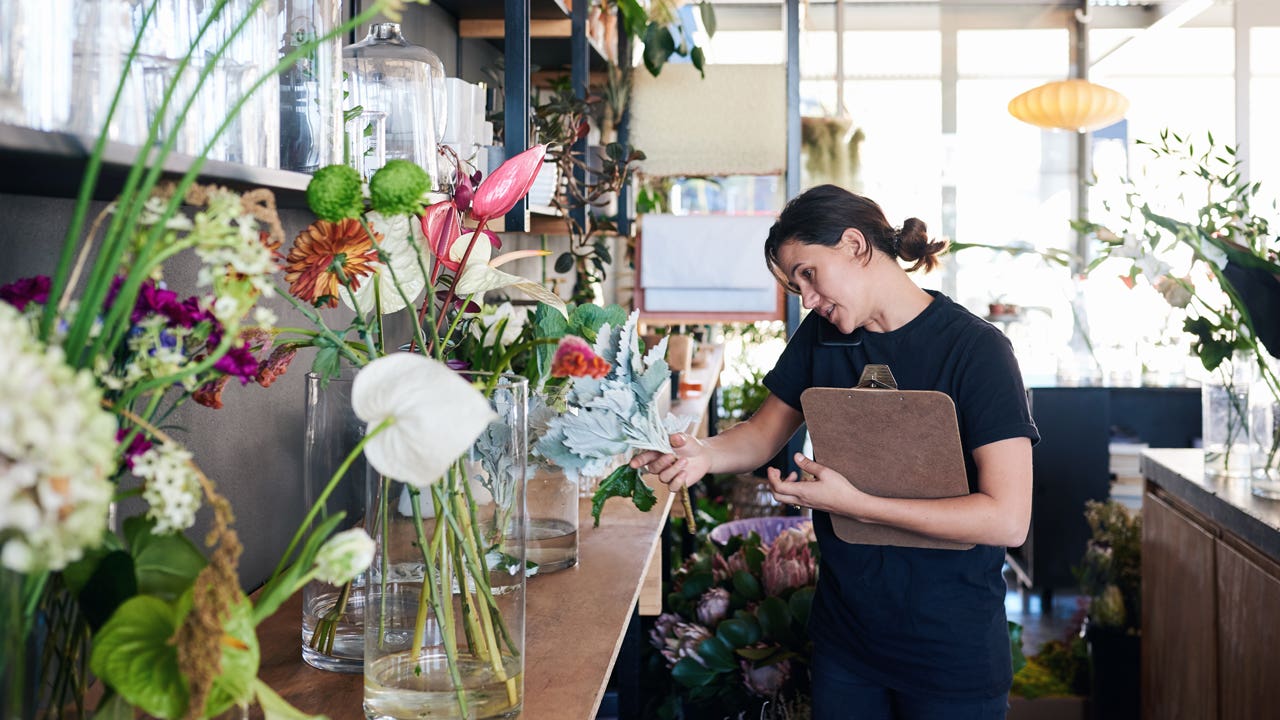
{"points": [[830, 280]]}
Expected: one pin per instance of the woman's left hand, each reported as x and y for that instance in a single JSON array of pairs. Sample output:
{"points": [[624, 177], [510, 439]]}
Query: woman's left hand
{"points": [[828, 490]]}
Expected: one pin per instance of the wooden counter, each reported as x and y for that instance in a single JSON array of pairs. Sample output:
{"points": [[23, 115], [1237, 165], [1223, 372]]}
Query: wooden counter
{"points": [[574, 621]]}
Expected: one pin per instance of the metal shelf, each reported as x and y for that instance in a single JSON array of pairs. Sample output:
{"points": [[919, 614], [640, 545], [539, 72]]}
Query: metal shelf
{"points": [[546, 53], [52, 164]]}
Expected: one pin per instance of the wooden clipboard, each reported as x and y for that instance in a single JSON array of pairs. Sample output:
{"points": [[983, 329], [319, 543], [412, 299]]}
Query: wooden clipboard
{"points": [[890, 443]]}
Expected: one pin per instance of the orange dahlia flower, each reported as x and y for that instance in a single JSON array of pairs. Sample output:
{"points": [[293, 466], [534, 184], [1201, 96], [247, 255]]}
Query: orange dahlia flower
{"points": [[326, 256]]}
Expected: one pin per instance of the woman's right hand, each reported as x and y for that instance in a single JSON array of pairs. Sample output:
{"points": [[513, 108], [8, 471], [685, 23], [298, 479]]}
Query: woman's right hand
{"points": [[690, 461]]}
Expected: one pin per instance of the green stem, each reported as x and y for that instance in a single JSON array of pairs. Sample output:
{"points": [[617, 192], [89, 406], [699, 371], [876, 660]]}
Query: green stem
{"points": [[337, 342], [451, 656]]}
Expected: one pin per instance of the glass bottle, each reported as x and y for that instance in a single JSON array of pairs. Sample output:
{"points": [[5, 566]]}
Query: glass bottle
{"points": [[310, 89], [388, 74]]}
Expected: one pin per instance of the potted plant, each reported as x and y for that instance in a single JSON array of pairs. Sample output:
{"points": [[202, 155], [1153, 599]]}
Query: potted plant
{"points": [[1111, 574]]}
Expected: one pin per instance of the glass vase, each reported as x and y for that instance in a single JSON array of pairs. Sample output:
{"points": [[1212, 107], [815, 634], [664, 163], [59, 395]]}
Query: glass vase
{"points": [[445, 594], [1264, 438], [553, 518], [1224, 407], [333, 616]]}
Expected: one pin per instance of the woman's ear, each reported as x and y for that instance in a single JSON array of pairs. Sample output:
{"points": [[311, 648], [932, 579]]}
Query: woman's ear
{"points": [[855, 241]]}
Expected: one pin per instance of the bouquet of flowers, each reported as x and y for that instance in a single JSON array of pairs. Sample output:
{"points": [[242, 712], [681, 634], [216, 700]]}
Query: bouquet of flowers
{"points": [[616, 413], [734, 637]]}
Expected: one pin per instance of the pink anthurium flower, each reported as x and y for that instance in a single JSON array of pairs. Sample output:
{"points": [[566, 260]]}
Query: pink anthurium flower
{"points": [[442, 226], [499, 192]]}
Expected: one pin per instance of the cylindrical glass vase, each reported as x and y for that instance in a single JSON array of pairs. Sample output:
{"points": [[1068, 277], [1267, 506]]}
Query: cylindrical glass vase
{"points": [[333, 616], [1224, 407], [310, 89], [553, 518], [445, 594]]}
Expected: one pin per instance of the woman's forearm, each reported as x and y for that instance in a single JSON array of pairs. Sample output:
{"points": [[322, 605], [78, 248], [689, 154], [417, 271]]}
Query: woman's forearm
{"points": [[750, 444]]}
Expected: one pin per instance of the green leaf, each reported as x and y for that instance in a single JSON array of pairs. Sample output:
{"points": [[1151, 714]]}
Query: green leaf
{"points": [[658, 46], [564, 263], [801, 603], [166, 565], [746, 585], [275, 707], [690, 673], [717, 654], [634, 17], [756, 654], [708, 17], [1015, 646], [624, 481], [696, 584], [240, 657], [133, 655], [77, 574], [738, 633], [110, 585], [328, 362], [699, 61], [775, 618]]}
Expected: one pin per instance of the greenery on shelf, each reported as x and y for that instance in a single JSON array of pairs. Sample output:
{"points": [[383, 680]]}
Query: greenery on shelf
{"points": [[587, 182], [652, 24]]}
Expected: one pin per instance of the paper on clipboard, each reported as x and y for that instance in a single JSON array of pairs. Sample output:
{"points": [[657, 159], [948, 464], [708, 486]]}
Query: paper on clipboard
{"points": [[890, 443]]}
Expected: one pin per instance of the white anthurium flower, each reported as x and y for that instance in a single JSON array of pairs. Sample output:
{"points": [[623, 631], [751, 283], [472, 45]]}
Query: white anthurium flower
{"points": [[435, 416], [1152, 266], [480, 275], [403, 261]]}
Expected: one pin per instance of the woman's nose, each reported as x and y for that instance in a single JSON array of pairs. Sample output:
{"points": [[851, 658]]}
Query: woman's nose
{"points": [[808, 298]]}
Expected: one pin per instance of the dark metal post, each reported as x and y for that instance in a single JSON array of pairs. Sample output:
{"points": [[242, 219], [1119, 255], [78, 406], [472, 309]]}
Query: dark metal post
{"points": [[796, 443], [579, 75], [515, 122], [623, 220]]}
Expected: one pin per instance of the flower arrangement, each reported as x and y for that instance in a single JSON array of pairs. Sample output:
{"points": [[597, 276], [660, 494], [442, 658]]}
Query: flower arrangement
{"points": [[614, 394], [734, 638], [1184, 258]]}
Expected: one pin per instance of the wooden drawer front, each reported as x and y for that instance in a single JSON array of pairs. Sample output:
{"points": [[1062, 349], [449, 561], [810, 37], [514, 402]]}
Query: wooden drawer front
{"points": [[1248, 635]]}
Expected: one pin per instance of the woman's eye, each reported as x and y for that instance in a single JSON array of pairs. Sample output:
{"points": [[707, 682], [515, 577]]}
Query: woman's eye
{"points": [[807, 275]]}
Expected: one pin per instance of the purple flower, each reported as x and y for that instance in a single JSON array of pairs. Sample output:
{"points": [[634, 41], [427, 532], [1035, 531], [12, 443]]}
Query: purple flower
{"points": [[153, 299], [20, 293], [137, 446], [768, 680], [457, 365], [239, 362]]}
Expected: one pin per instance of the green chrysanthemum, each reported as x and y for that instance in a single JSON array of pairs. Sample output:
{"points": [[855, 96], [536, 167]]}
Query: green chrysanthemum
{"points": [[335, 193], [399, 188]]}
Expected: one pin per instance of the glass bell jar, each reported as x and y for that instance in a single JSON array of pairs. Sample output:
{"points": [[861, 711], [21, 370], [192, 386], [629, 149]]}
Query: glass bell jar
{"points": [[405, 83]]}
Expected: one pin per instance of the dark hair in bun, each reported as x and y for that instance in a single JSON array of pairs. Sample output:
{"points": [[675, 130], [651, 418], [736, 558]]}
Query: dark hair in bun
{"points": [[819, 216]]}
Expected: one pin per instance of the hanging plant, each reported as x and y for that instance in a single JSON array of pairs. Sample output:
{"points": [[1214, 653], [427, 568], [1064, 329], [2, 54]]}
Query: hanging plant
{"points": [[653, 27]]}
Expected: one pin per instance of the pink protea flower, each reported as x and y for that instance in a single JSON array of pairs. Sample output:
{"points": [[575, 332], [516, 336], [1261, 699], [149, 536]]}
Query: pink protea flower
{"points": [[713, 606], [789, 562], [768, 680], [575, 358], [724, 568]]}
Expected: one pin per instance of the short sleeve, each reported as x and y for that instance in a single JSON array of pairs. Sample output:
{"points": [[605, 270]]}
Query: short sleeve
{"points": [[793, 373], [991, 401]]}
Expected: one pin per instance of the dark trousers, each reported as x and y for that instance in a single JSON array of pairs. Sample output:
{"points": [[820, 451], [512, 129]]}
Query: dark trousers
{"points": [[840, 694]]}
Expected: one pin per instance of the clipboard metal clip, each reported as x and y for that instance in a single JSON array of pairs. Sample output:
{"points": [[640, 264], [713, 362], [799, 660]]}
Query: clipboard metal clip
{"points": [[877, 377]]}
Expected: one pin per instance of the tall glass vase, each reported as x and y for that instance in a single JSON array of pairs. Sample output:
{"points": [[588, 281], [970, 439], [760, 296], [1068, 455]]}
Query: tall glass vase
{"points": [[1264, 438], [445, 594], [1224, 407], [310, 89], [332, 616]]}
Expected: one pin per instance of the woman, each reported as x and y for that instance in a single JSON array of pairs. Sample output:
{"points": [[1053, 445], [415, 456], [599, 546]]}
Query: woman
{"points": [[898, 632]]}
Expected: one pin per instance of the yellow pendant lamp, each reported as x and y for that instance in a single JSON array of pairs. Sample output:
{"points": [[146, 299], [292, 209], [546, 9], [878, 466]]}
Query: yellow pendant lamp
{"points": [[1077, 105]]}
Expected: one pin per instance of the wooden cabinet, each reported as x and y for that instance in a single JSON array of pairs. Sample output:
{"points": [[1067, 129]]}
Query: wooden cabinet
{"points": [[1210, 640], [1248, 634], [1179, 658]]}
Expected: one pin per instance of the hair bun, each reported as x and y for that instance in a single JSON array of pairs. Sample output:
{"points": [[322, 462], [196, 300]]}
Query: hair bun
{"points": [[913, 245]]}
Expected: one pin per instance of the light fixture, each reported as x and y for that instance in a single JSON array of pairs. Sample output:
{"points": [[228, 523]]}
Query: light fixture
{"points": [[1077, 105]]}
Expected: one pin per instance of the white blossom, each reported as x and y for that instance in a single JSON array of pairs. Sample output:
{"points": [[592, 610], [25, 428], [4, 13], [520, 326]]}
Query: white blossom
{"points": [[57, 453], [265, 318], [344, 556], [515, 317], [434, 416], [171, 488]]}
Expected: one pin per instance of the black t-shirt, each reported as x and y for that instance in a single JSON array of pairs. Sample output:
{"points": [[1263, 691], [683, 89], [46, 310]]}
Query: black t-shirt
{"points": [[913, 619]]}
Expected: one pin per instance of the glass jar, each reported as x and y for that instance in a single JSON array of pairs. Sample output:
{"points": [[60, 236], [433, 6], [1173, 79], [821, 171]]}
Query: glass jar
{"points": [[311, 88], [104, 35], [1224, 408], [388, 74]]}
